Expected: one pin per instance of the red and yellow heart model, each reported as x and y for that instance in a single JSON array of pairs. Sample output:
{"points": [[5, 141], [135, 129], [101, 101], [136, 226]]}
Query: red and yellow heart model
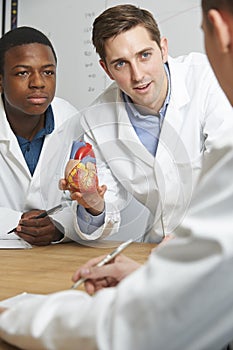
{"points": [[81, 172]]}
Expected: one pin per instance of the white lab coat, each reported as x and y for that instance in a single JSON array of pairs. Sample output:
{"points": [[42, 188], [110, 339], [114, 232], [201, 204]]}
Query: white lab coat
{"points": [[21, 192], [198, 113], [181, 299]]}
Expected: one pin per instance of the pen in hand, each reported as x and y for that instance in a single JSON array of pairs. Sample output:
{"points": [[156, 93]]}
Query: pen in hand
{"points": [[42, 215], [105, 260]]}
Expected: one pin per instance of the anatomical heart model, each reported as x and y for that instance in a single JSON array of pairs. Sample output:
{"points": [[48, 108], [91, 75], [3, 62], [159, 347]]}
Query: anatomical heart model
{"points": [[81, 173]]}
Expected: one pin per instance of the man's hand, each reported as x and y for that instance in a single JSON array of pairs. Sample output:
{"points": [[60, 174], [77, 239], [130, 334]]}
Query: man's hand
{"points": [[108, 275], [37, 231], [93, 202]]}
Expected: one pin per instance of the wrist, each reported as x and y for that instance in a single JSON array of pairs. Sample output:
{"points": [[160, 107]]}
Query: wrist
{"points": [[58, 235], [95, 211]]}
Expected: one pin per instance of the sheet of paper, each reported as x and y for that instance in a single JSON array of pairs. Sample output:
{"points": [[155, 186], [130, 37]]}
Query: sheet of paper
{"points": [[14, 244], [12, 241]]}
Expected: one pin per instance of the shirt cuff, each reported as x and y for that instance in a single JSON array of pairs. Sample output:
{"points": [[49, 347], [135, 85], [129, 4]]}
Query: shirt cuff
{"points": [[89, 223]]}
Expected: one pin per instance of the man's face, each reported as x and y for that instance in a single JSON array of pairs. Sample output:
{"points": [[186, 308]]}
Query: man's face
{"points": [[29, 79], [136, 63]]}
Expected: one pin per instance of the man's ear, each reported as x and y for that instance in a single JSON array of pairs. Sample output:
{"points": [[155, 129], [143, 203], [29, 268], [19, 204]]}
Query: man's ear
{"points": [[164, 49], [104, 66], [221, 29]]}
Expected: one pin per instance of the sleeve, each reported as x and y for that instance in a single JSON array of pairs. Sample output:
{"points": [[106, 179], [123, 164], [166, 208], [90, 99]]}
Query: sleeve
{"points": [[174, 292], [87, 222], [43, 322]]}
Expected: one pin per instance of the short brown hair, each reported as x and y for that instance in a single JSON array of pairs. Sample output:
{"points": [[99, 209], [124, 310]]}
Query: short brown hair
{"points": [[118, 19], [226, 5]]}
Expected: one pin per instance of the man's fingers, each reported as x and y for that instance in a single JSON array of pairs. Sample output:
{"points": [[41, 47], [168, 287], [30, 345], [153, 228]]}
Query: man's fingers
{"points": [[88, 265], [98, 272], [62, 184]]}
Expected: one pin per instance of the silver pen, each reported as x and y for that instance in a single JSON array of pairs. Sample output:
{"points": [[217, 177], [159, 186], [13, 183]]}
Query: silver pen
{"points": [[105, 260]]}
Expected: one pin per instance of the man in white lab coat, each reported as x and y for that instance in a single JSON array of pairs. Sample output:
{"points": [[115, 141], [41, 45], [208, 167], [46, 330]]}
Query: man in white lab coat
{"points": [[182, 297], [36, 134], [158, 119]]}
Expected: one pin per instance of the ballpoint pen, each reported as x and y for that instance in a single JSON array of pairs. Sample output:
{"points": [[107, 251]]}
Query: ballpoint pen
{"points": [[42, 215], [105, 260]]}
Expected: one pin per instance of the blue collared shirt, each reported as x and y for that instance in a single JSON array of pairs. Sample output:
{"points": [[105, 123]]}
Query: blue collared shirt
{"points": [[31, 149], [148, 127]]}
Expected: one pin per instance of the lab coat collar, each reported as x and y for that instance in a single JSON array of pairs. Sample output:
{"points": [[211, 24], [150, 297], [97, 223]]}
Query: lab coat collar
{"points": [[5, 131], [7, 137], [178, 74]]}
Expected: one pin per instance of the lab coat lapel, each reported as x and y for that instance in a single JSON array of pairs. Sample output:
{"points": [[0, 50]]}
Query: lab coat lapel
{"points": [[174, 119], [128, 136], [54, 143], [171, 151], [140, 156]]}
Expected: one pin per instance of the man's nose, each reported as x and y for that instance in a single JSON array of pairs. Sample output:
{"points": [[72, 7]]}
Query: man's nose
{"points": [[36, 80], [136, 72]]}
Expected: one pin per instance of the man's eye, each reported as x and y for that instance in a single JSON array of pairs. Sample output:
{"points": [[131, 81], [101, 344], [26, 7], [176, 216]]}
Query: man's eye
{"points": [[146, 54], [49, 72], [23, 73], [120, 64]]}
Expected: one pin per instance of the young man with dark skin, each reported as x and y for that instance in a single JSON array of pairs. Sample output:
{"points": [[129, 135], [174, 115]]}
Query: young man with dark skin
{"points": [[29, 116], [37, 130]]}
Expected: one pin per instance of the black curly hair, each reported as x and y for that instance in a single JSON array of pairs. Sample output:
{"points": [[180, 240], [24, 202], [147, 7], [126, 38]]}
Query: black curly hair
{"points": [[21, 36]]}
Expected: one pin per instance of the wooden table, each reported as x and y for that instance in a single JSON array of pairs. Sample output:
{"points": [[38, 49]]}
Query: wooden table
{"points": [[48, 269]]}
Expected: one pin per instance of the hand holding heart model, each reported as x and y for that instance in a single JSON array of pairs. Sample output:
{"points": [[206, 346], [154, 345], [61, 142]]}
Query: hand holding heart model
{"points": [[81, 173]]}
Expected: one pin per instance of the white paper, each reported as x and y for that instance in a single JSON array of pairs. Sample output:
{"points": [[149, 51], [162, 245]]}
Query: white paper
{"points": [[12, 241], [14, 244]]}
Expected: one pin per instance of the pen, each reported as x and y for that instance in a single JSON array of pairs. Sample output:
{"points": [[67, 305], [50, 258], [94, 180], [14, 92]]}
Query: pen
{"points": [[42, 215], [105, 260]]}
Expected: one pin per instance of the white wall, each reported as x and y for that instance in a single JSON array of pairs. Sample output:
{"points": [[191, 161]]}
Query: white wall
{"points": [[80, 79], [68, 24]]}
